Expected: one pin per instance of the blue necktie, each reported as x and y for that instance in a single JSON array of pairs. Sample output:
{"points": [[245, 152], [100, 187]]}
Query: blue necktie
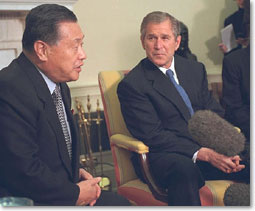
{"points": [[181, 91]]}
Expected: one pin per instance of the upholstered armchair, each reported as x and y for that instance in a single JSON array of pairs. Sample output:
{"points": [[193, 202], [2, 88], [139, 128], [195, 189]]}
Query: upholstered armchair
{"points": [[123, 144]]}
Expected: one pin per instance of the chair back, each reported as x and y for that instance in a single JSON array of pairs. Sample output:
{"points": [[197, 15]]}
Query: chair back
{"points": [[108, 83]]}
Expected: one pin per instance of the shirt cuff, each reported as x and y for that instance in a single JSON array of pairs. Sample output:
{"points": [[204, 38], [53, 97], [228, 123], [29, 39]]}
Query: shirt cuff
{"points": [[194, 158]]}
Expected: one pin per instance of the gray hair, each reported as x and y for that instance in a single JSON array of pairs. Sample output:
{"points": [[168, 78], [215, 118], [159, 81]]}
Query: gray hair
{"points": [[159, 17]]}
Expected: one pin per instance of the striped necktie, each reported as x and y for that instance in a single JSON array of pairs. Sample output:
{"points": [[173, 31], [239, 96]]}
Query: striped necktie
{"points": [[181, 91], [57, 99]]}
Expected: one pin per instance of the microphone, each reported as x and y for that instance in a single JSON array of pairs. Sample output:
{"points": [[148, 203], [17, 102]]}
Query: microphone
{"points": [[237, 194], [210, 130]]}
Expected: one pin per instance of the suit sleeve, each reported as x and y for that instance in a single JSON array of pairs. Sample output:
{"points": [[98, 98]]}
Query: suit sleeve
{"points": [[143, 122], [23, 172], [237, 112]]}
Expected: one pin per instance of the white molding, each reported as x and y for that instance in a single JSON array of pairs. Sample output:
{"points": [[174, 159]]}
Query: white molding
{"points": [[82, 93], [21, 5]]}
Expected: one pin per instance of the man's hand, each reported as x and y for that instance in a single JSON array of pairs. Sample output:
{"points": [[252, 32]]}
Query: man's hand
{"points": [[88, 191], [243, 41], [223, 48], [89, 188], [222, 162], [84, 175]]}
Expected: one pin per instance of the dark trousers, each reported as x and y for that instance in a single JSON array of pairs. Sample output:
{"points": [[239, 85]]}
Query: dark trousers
{"points": [[179, 175], [108, 198], [183, 178]]}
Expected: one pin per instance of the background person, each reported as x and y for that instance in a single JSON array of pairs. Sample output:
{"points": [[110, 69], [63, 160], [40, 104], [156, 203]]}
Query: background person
{"points": [[236, 19], [236, 83]]}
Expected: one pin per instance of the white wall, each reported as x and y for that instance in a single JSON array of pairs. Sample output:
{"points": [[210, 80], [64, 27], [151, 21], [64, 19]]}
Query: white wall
{"points": [[111, 29]]}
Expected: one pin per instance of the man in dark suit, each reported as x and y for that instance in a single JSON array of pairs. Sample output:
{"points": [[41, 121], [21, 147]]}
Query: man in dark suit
{"points": [[236, 85], [236, 89], [236, 81], [236, 19], [39, 148], [155, 113]]}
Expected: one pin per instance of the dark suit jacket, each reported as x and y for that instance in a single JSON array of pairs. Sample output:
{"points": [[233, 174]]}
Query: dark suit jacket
{"points": [[153, 109], [34, 161], [236, 88], [236, 19]]}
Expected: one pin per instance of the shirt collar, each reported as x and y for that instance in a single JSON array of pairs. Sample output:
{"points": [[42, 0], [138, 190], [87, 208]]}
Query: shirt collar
{"points": [[51, 85], [163, 69], [172, 67]]}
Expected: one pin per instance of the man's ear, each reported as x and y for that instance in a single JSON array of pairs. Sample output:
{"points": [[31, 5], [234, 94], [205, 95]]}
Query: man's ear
{"points": [[41, 50], [178, 41], [142, 41]]}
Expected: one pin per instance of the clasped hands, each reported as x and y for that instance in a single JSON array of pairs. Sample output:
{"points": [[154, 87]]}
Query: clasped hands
{"points": [[222, 162], [89, 188]]}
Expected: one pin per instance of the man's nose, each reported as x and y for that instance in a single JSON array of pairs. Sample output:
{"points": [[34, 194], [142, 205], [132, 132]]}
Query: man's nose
{"points": [[158, 43], [82, 54]]}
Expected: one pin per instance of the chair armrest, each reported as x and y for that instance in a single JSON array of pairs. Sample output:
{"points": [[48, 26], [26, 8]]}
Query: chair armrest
{"points": [[129, 143], [139, 147], [238, 129]]}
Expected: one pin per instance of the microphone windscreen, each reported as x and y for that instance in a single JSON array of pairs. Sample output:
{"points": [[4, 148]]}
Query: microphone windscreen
{"points": [[237, 194], [210, 130]]}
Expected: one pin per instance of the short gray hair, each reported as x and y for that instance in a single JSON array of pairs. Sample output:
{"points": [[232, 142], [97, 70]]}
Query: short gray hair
{"points": [[159, 17]]}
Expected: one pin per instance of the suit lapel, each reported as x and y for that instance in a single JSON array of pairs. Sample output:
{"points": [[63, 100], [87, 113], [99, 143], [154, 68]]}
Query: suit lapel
{"points": [[165, 87], [44, 95], [53, 120], [184, 76]]}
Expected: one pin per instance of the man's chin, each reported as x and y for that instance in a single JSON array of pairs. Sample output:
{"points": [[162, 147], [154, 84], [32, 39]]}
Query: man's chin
{"points": [[159, 63], [158, 60], [73, 77]]}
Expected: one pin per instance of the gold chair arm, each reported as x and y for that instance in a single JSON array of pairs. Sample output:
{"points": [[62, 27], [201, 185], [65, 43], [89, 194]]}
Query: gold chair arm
{"points": [[129, 143], [139, 147], [238, 129]]}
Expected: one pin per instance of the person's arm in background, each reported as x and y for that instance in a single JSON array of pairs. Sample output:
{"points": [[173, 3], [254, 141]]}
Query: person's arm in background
{"points": [[237, 111]]}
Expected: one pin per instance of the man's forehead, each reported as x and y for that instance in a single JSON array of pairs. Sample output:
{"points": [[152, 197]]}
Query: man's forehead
{"points": [[71, 31], [165, 22], [158, 33], [158, 26], [79, 39]]}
